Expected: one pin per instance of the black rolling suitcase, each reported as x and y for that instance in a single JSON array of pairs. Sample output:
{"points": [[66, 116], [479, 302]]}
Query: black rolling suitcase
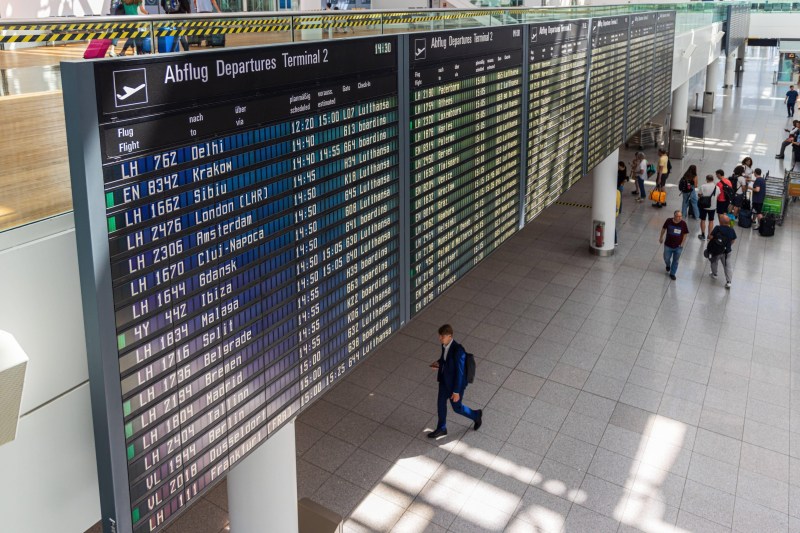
{"points": [[217, 39], [767, 226]]}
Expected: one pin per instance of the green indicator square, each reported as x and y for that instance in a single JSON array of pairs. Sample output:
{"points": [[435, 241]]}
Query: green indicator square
{"points": [[121, 341], [109, 199], [135, 515], [411, 125], [126, 408], [128, 430], [131, 452], [112, 224]]}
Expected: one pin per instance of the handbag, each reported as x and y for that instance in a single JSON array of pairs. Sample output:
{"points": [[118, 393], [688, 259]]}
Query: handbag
{"points": [[704, 202]]}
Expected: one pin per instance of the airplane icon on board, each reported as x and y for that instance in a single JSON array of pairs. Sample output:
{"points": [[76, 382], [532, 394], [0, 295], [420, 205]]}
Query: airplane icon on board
{"points": [[129, 92]]}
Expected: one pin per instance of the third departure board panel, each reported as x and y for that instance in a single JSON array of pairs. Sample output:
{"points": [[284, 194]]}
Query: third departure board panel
{"points": [[254, 251], [465, 100], [662, 65], [609, 39], [556, 110], [641, 49]]}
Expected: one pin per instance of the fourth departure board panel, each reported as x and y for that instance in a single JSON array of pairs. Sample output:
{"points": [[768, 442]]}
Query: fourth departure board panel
{"points": [[252, 222], [662, 65], [641, 48], [556, 110], [465, 99], [607, 87]]}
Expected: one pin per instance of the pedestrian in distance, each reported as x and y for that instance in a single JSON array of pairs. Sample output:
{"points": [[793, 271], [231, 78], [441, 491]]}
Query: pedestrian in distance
{"points": [[792, 136], [622, 176], [724, 193], [707, 202], [739, 183], [688, 188], [720, 242], [790, 100], [639, 170], [662, 173], [676, 232], [758, 197], [451, 373]]}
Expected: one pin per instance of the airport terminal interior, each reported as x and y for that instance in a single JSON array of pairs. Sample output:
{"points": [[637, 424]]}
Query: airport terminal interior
{"points": [[614, 399]]}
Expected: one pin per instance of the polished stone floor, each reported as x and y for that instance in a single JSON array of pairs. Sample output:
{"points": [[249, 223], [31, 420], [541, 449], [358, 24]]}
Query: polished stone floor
{"points": [[614, 399]]}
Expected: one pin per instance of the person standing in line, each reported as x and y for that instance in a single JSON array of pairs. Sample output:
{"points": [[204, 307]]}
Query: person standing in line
{"points": [[689, 193], [722, 199], [789, 139], [452, 377], [708, 206], [178, 7], [739, 183], [639, 168], [133, 7], [622, 176], [676, 231], [759, 195], [790, 100], [723, 237], [206, 6], [747, 163], [662, 173]]}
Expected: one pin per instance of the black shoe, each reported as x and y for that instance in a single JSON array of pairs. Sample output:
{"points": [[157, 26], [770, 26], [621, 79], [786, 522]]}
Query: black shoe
{"points": [[437, 433], [702, 237], [672, 276], [778, 157], [634, 193], [667, 268], [479, 420]]}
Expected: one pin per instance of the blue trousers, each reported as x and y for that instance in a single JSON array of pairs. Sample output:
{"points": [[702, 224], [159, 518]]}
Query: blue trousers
{"points": [[640, 181], [690, 198], [671, 258], [458, 407]]}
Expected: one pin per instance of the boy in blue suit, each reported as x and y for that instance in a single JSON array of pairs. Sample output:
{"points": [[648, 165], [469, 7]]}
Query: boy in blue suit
{"points": [[452, 378]]}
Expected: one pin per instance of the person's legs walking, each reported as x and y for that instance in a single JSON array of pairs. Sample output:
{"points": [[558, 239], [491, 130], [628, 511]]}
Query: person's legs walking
{"points": [[640, 182], [463, 410], [714, 262], [685, 204], [727, 268], [441, 407], [676, 256], [693, 202]]}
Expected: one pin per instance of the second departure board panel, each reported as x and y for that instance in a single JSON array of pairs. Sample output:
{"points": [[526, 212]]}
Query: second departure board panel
{"points": [[253, 247], [662, 65], [465, 101], [641, 49], [556, 110], [609, 57]]}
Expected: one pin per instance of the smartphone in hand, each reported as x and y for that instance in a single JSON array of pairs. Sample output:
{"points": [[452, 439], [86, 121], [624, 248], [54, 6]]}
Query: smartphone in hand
{"points": [[435, 364]]}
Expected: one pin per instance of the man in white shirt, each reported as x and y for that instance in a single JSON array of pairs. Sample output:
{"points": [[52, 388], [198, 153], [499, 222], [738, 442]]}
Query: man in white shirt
{"points": [[792, 136]]}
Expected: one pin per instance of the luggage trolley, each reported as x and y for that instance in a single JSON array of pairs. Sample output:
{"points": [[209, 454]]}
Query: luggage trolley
{"points": [[793, 185], [776, 199], [651, 133]]}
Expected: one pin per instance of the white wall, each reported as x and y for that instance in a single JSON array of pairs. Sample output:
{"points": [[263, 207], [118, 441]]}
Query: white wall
{"points": [[32, 9], [51, 464], [774, 26], [707, 48]]}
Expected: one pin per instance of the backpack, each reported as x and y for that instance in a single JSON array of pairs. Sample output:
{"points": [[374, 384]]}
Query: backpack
{"points": [[470, 368], [669, 166], [745, 218], [717, 244], [767, 226], [651, 169], [119, 9], [728, 191], [746, 206], [685, 185]]}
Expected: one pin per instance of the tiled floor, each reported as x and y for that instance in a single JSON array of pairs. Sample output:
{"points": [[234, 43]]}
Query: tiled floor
{"points": [[614, 399]]}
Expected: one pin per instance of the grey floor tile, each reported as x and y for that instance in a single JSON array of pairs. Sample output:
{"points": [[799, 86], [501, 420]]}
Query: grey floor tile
{"points": [[354, 428], [400, 486], [569, 375], [765, 462], [604, 386], [603, 497], [583, 428], [557, 394], [329, 453], [581, 519], [414, 523], [438, 504], [659, 484], [523, 383], [532, 437], [713, 472], [571, 452], [323, 415], [680, 409], [692, 522], [750, 517], [766, 436], [763, 490], [538, 365], [478, 517], [722, 423], [387, 443], [709, 503], [309, 479], [614, 467], [559, 479], [339, 495], [545, 414], [363, 469], [510, 402], [594, 406], [641, 397], [516, 463]]}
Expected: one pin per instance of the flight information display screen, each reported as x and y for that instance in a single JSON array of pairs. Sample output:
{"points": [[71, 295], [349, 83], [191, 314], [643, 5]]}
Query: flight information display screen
{"points": [[465, 102], [641, 50], [662, 64], [252, 233], [607, 87], [558, 56]]}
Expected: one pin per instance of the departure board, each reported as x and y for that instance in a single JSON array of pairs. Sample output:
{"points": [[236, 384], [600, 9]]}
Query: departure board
{"points": [[465, 100], [556, 110], [662, 65], [250, 234], [607, 87], [641, 50]]}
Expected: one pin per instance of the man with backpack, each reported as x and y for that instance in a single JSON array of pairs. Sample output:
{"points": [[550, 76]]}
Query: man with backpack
{"points": [[758, 197], [452, 377], [719, 246]]}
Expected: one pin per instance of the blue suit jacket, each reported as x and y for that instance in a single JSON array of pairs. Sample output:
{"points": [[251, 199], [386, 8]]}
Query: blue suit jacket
{"points": [[452, 374]]}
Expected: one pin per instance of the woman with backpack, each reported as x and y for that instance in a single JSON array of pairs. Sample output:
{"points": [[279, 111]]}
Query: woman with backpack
{"points": [[688, 187]]}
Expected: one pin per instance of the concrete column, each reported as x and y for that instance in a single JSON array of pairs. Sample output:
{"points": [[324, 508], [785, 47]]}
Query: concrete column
{"points": [[712, 76], [262, 488], [740, 52], [680, 107], [730, 70], [604, 203]]}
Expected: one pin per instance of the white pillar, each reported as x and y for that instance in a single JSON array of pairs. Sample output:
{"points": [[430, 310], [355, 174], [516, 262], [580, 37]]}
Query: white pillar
{"points": [[742, 51], [712, 76], [730, 69], [604, 203], [680, 107], [262, 488]]}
